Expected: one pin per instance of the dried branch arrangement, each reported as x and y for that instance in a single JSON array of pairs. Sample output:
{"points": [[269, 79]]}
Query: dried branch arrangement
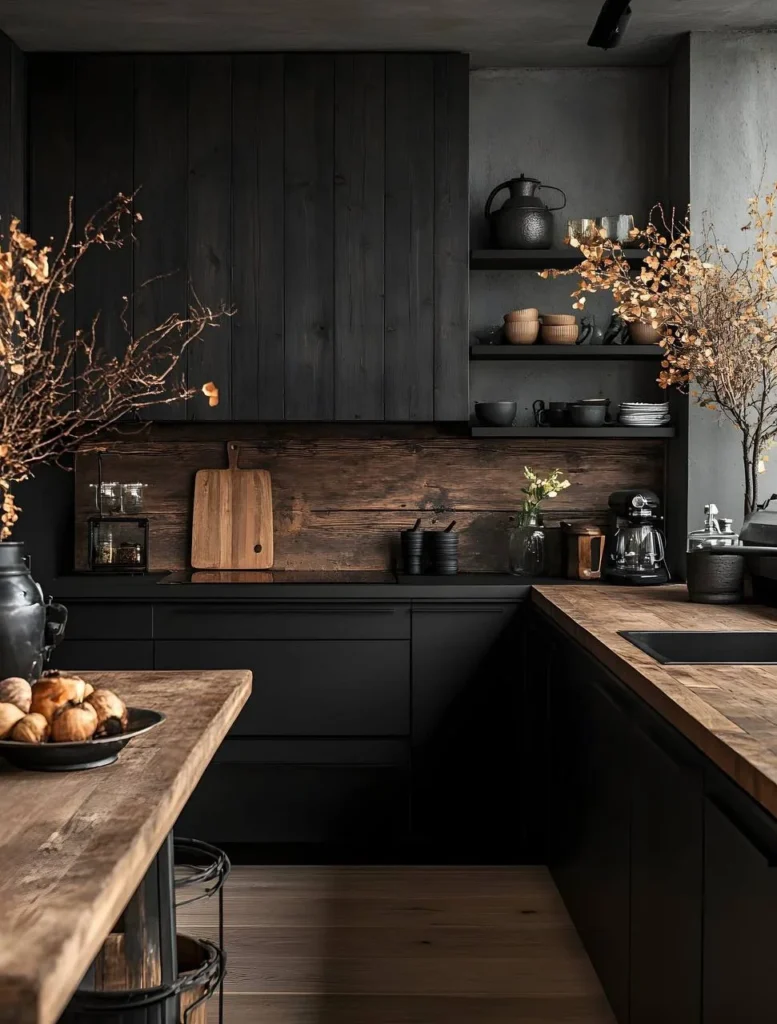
{"points": [[58, 387], [716, 312]]}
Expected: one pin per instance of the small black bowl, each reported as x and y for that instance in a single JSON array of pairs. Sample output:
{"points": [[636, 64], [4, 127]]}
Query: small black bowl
{"points": [[73, 757], [496, 414]]}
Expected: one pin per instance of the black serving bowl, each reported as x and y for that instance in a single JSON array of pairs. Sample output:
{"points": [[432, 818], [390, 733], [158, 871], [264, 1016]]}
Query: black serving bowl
{"points": [[72, 757], [496, 414]]}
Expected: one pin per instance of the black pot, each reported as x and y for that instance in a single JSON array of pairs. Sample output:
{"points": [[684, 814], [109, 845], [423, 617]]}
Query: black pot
{"points": [[30, 627]]}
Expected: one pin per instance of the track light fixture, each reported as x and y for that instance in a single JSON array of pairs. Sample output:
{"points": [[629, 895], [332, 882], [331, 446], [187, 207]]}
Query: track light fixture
{"points": [[611, 24]]}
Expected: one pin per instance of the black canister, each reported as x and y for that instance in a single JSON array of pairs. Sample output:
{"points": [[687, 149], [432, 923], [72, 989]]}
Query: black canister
{"points": [[412, 542], [715, 579], [442, 549]]}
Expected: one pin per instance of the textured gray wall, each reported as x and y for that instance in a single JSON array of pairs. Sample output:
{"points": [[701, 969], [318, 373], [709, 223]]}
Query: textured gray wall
{"points": [[733, 152], [600, 135]]}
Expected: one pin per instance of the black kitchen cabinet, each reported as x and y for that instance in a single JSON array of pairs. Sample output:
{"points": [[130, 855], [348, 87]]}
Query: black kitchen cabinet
{"points": [[666, 879], [740, 909], [340, 793], [465, 724], [341, 247], [103, 655], [589, 812], [309, 687]]}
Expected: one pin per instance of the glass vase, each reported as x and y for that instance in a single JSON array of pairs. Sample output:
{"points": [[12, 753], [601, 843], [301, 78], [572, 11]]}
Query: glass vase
{"points": [[527, 547]]}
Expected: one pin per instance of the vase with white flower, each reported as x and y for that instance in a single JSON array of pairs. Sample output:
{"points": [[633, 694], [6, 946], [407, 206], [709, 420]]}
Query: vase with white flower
{"points": [[527, 538]]}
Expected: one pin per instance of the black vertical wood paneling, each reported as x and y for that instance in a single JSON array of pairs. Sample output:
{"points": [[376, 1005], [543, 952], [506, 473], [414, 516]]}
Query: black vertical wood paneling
{"points": [[103, 144], [51, 163], [409, 237], [360, 99], [209, 223], [13, 134], [160, 174], [309, 252], [451, 236], [257, 237]]}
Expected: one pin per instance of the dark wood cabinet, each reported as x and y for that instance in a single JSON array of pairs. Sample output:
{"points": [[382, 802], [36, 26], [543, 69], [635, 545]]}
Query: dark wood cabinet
{"points": [[666, 879], [589, 813], [740, 909], [104, 655], [341, 245], [349, 794], [309, 687], [465, 725]]}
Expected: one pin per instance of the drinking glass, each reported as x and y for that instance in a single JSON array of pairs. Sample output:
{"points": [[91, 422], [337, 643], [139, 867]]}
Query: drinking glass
{"points": [[625, 227]]}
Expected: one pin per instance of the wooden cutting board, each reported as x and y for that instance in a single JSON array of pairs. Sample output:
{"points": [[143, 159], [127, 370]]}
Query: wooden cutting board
{"points": [[232, 523]]}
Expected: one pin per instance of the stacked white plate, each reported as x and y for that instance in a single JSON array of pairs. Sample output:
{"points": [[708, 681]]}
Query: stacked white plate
{"points": [[644, 414]]}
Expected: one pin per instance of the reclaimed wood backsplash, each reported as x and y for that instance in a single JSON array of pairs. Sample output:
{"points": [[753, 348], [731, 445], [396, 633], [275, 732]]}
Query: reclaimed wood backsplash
{"points": [[341, 497]]}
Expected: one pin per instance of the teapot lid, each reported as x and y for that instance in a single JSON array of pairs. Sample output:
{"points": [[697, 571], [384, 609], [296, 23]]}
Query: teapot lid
{"points": [[523, 177]]}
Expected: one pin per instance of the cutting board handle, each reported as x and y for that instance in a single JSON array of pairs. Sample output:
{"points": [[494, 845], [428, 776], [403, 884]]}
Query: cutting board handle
{"points": [[233, 453]]}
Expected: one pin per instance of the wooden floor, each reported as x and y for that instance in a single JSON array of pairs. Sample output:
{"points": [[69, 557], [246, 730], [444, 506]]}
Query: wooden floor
{"points": [[399, 945]]}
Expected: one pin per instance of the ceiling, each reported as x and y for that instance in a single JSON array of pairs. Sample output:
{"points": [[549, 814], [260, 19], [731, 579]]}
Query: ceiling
{"points": [[498, 33]]}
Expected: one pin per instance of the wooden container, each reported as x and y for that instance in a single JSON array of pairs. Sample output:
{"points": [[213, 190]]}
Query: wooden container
{"points": [[522, 314], [558, 320], [644, 334], [522, 332], [583, 551], [566, 335]]}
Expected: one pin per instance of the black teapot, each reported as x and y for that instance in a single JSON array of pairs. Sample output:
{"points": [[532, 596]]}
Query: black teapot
{"points": [[524, 221]]}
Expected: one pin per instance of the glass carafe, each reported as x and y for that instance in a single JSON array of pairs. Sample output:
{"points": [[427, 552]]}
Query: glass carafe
{"points": [[527, 547]]}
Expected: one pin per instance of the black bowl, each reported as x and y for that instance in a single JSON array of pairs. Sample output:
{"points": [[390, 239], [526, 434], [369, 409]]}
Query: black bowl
{"points": [[496, 414], [72, 757]]}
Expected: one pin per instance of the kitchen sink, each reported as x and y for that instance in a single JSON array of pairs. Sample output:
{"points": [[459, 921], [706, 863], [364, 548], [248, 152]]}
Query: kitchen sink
{"points": [[697, 647]]}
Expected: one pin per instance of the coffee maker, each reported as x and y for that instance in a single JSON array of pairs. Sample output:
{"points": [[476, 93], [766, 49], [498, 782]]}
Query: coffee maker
{"points": [[635, 553]]}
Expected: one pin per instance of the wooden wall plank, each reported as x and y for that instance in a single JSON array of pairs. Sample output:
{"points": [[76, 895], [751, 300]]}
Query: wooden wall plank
{"points": [[257, 237], [209, 223], [160, 252], [309, 255], [339, 502], [51, 165], [451, 237], [409, 239], [360, 99], [103, 148]]}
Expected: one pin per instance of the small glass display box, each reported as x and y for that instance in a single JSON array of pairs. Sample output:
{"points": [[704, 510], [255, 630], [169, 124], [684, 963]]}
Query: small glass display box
{"points": [[118, 544]]}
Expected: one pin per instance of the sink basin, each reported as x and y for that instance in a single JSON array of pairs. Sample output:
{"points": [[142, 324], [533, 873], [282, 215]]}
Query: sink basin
{"points": [[696, 647]]}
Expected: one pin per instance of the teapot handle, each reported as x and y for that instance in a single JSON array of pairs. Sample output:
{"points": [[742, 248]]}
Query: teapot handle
{"points": [[493, 195], [554, 189]]}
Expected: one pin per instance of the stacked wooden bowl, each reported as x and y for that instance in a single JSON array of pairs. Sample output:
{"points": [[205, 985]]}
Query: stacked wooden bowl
{"points": [[559, 329], [522, 326]]}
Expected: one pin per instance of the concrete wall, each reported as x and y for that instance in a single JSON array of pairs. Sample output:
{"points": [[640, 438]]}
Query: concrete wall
{"points": [[733, 153], [600, 134]]}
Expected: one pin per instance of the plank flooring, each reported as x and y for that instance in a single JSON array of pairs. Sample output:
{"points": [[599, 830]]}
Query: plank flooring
{"points": [[399, 945]]}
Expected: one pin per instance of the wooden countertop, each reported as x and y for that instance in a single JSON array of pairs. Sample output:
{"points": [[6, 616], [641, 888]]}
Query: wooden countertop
{"points": [[728, 711], [75, 845]]}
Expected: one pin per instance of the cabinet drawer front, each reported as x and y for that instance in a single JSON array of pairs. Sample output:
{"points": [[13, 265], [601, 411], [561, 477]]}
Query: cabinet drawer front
{"points": [[309, 687], [104, 655], [301, 803], [108, 621], [297, 621]]}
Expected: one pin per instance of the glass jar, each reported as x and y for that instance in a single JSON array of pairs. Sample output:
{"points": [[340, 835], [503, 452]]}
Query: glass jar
{"points": [[527, 547], [132, 498], [107, 498]]}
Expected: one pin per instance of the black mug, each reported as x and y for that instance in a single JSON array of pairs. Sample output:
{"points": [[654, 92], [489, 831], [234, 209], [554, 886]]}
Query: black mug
{"points": [[554, 416]]}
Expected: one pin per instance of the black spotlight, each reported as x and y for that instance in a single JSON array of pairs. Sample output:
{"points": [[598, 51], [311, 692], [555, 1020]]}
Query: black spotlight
{"points": [[611, 24]]}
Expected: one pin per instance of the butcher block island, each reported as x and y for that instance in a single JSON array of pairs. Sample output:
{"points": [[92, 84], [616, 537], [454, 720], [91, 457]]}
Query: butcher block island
{"points": [[75, 846]]}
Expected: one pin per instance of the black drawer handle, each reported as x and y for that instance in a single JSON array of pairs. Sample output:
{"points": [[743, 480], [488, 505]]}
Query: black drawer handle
{"points": [[297, 606], [770, 856]]}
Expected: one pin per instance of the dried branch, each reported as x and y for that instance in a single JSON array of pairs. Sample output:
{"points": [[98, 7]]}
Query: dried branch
{"points": [[59, 389], [716, 313]]}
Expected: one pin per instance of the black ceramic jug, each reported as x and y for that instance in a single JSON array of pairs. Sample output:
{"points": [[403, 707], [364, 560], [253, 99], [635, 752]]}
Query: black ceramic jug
{"points": [[30, 627], [524, 221]]}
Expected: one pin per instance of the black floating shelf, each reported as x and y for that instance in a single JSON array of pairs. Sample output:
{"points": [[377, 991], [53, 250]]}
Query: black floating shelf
{"points": [[599, 433], [536, 259], [540, 351]]}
